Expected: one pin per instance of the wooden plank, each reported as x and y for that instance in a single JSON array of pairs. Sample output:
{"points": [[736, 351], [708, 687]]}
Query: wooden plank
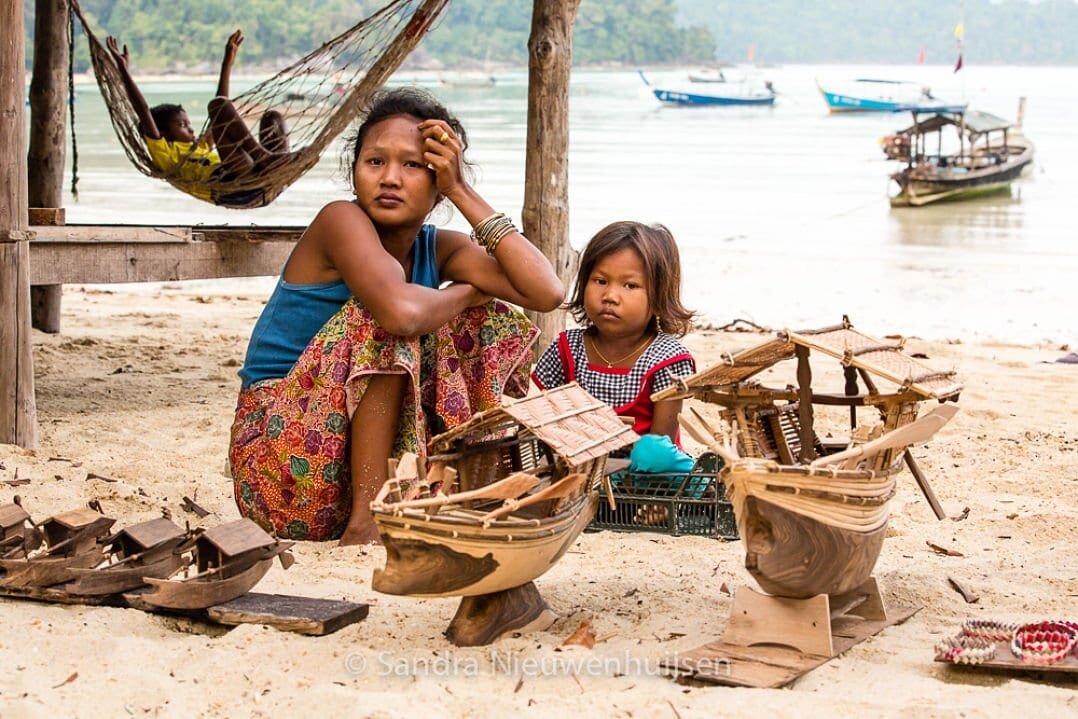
{"points": [[92, 234], [75, 263], [289, 613], [302, 615], [771, 666], [1004, 660], [47, 215]]}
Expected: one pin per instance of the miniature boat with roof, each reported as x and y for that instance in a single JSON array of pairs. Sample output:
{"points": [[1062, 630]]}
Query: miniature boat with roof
{"points": [[505, 496], [46, 554], [228, 561], [145, 549]]}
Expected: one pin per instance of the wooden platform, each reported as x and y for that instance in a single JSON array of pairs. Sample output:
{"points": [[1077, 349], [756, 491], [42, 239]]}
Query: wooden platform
{"points": [[289, 613], [749, 653], [135, 253], [1005, 661]]}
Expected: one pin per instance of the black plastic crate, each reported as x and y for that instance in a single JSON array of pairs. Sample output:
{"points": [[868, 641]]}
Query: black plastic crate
{"points": [[678, 504]]}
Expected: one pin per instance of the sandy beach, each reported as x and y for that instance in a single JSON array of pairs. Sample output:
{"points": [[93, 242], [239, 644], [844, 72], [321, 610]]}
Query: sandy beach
{"points": [[135, 400]]}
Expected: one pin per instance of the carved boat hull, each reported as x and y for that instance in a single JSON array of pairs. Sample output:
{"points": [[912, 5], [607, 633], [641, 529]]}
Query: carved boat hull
{"points": [[108, 580], [790, 555], [452, 554], [201, 591], [46, 571]]}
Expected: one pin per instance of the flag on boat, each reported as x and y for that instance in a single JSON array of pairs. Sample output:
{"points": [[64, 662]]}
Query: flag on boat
{"points": [[959, 31], [958, 65], [921, 56]]}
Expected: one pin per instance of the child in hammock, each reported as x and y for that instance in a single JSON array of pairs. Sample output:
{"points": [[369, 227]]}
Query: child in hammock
{"points": [[628, 299], [232, 152]]}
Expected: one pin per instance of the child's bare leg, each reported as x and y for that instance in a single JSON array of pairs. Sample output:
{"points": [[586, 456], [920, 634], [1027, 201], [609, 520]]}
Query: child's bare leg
{"points": [[238, 148], [273, 132], [374, 429]]}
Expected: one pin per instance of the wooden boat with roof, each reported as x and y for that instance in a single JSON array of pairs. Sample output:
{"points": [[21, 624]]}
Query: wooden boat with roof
{"points": [[228, 561], [505, 496], [813, 519], [145, 549], [991, 154], [47, 553]]}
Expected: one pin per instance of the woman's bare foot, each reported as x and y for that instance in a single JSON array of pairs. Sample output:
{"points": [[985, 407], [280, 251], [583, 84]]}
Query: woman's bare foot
{"points": [[360, 533]]}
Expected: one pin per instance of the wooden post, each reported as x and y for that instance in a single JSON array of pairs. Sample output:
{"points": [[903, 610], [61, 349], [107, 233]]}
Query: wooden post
{"points": [[48, 137], [804, 407], [18, 417], [546, 181]]}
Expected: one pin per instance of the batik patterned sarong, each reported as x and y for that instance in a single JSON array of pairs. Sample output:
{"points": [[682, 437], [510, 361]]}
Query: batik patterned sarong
{"points": [[289, 446]]}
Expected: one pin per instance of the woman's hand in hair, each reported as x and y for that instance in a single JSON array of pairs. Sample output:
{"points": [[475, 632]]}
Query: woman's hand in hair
{"points": [[443, 153]]}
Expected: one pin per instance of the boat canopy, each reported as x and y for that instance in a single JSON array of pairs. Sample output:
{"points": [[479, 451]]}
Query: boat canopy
{"points": [[975, 122]]}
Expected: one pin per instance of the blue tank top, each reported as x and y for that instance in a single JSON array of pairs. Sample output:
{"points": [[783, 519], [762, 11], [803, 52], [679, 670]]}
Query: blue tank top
{"points": [[295, 313]]}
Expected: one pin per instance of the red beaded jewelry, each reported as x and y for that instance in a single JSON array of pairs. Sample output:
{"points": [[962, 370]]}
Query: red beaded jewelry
{"points": [[1044, 642], [989, 629]]}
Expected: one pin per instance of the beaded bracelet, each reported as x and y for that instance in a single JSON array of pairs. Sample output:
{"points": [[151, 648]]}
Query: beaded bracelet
{"points": [[962, 649], [1044, 642], [989, 629]]}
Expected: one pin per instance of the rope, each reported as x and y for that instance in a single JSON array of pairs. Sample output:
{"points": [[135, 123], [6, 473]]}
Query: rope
{"points": [[318, 95], [71, 104]]}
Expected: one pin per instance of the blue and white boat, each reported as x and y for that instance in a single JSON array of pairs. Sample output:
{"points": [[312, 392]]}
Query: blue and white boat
{"points": [[730, 94], [878, 95]]}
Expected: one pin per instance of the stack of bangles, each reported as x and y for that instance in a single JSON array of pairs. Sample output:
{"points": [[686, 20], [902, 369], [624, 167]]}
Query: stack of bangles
{"points": [[492, 230]]}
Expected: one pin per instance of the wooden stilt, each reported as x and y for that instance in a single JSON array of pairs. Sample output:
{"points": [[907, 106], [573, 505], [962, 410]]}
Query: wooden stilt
{"points": [[48, 138], [482, 619], [546, 175], [18, 415]]}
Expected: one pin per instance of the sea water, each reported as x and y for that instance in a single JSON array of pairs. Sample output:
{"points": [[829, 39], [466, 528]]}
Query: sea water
{"points": [[781, 213]]}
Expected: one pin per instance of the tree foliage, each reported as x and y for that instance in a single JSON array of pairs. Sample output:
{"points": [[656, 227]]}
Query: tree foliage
{"points": [[189, 35]]}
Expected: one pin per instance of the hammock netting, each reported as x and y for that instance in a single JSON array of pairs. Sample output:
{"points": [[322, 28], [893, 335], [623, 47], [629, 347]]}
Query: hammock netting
{"points": [[318, 95]]}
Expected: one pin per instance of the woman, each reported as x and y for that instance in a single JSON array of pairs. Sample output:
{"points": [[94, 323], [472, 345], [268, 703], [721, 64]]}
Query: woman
{"points": [[337, 379]]}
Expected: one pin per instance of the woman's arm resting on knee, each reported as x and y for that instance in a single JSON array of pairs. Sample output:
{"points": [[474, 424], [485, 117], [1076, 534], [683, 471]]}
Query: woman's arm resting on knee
{"points": [[347, 239]]}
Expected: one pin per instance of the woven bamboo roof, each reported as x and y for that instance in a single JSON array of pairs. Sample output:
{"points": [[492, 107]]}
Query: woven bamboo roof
{"points": [[575, 425], [846, 344]]}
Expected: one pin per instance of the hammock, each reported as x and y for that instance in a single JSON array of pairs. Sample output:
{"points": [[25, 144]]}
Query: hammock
{"points": [[318, 95]]}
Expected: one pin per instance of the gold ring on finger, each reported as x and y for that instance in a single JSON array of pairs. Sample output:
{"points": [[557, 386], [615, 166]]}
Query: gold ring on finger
{"points": [[444, 138]]}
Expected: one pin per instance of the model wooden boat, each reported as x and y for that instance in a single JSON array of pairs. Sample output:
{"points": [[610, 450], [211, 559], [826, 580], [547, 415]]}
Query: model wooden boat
{"points": [[228, 560], [527, 475], [454, 553], [71, 541], [146, 549], [812, 523], [991, 154]]}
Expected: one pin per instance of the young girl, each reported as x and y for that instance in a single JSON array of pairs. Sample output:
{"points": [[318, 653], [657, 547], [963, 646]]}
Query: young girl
{"points": [[627, 297], [362, 351]]}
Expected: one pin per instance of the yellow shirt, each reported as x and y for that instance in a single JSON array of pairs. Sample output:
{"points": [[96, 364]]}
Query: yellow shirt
{"points": [[193, 166]]}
